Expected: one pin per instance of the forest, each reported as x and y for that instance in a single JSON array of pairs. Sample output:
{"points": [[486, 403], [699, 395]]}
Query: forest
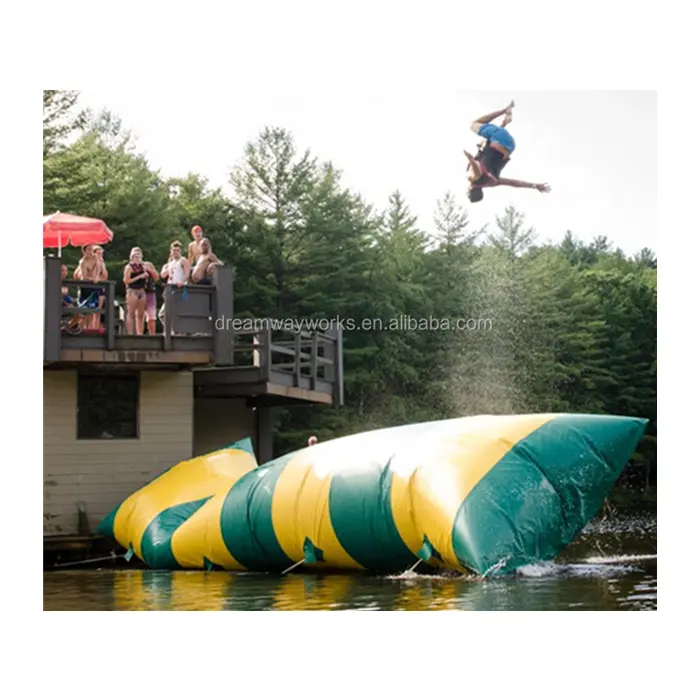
{"points": [[571, 325]]}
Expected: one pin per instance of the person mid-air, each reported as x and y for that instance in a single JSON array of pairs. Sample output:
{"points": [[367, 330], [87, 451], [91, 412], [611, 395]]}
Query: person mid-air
{"points": [[485, 168]]}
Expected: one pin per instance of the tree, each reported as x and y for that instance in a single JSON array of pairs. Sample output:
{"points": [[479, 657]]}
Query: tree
{"points": [[399, 278], [568, 371], [646, 258], [61, 118], [451, 223], [512, 236], [452, 283], [271, 186]]}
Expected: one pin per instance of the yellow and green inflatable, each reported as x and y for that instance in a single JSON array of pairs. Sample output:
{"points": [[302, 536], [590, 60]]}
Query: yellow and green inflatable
{"points": [[477, 494]]}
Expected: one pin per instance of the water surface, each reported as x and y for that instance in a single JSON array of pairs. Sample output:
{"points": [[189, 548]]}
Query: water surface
{"points": [[610, 566]]}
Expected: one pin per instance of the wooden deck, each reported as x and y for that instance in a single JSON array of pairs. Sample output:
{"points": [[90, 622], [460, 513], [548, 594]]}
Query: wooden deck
{"points": [[144, 349], [278, 367], [259, 391]]}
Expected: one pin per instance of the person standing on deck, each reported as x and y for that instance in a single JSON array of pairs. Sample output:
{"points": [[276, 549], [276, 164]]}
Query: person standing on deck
{"points": [[89, 270], [193, 249], [135, 276], [175, 272]]}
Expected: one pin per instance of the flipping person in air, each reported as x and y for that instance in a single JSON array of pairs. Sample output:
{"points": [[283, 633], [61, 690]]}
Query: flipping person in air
{"points": [[485, 168]]}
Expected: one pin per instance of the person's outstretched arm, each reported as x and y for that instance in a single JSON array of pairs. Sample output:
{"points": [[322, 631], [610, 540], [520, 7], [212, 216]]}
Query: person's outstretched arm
{"points": [[540, 187]]}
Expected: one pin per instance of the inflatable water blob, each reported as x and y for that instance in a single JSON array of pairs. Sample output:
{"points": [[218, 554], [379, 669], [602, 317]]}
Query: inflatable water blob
{"points": [[482, 494]]}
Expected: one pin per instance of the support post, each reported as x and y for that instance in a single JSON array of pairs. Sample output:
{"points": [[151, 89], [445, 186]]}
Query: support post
{"points": [[297, 359], [83, 522], [264, 430], [53, 308], [338, 361], [167, 317], [314, 360], [267, 354], [110, 319]]}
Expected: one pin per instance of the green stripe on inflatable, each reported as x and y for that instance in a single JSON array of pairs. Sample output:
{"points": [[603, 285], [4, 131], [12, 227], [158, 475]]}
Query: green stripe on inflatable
{"points": [[106, 526], [312, 554], [246, 519], [156, 543], [537, 498], [427, 552], [360, 511]]}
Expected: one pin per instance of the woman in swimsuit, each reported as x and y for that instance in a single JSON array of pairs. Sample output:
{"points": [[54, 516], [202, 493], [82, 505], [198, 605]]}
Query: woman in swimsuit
{"points": [[135, 276]]}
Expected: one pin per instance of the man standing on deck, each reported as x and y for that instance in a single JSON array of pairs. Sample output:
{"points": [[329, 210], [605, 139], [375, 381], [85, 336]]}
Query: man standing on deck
{"points": [[193, 250]]}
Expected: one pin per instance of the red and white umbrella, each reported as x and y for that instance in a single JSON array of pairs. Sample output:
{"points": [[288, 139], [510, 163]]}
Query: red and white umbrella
{"points": [[61, 230]]}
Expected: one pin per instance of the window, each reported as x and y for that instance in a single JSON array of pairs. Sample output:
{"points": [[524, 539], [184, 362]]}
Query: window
{"points": [[108, 407]]}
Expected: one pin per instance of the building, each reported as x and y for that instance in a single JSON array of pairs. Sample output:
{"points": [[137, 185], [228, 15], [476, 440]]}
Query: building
{"points": [[120, 409]]}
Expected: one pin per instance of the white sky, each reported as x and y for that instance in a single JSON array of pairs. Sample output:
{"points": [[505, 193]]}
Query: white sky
{"points": [[597, 149]]}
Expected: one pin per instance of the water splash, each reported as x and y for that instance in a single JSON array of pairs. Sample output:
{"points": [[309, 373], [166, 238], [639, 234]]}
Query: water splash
{"points": [[627, 525], [589, 568], [620, 558], [541, 570], [495, 568], [442, 575]]}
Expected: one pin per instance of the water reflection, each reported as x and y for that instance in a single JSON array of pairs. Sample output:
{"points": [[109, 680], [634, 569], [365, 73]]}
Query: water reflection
{"points": [[612, 570]]}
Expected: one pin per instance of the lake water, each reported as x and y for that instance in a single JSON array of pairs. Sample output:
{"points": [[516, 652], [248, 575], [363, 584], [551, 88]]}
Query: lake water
{"points": [[610, 566]]}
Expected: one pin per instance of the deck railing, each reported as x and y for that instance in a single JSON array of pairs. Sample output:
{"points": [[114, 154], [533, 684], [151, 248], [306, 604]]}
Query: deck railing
{"points": [[192, 320], [310, 360]]}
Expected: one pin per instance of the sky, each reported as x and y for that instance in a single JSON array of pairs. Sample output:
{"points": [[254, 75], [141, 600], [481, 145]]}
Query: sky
{"points": [[596, 149]]}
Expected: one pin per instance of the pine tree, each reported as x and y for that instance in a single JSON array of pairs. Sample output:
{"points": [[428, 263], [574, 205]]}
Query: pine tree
{"points": [[61, 118], [272, 185]]}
